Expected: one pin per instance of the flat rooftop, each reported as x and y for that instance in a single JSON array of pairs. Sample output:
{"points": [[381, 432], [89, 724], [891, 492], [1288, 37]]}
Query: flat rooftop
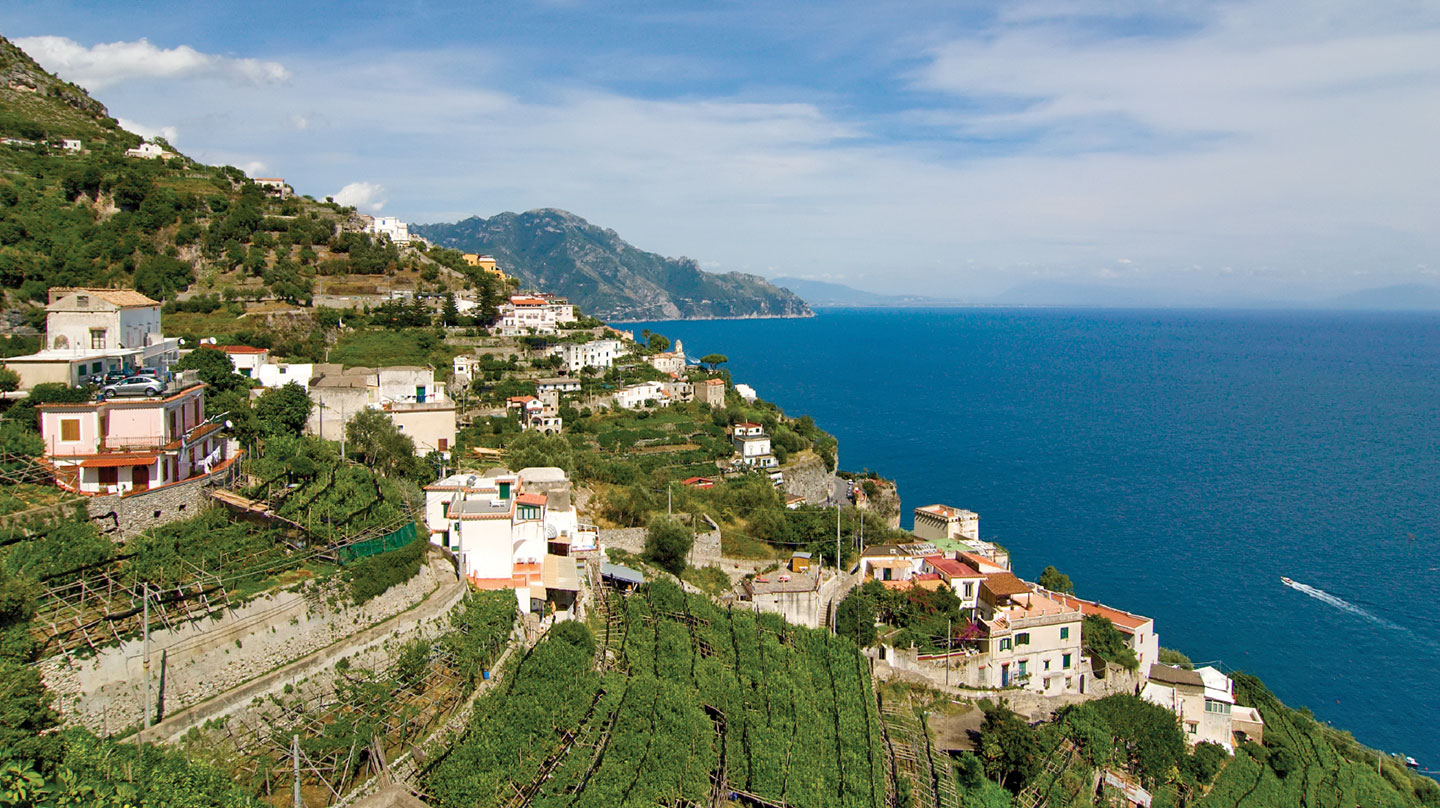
{"points": [[783, 581]]}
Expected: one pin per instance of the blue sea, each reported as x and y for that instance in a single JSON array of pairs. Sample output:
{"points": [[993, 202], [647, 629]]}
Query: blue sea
{"points": [[1173, 463]]}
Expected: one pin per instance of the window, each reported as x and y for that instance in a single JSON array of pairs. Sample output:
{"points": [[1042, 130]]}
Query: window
{"points": [[82, 301], [69, 430], [1045, 665], [444, 445], [1064, 633], [97, 338], [1065, 661], [1020, 668], [969, 590], [1004, 644], [1217, 706], [1193, 728], [1022, 638]]}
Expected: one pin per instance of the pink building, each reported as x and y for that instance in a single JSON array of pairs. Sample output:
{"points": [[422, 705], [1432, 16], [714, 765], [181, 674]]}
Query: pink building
{"points": [[131, 444]]}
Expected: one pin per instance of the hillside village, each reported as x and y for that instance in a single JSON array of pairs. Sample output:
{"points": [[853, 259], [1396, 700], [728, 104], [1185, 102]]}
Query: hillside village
{"points": [[313, 534]]}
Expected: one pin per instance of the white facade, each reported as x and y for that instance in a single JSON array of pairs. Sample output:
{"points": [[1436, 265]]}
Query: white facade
{"points": [[400, 384], [149, 151], [640, 394], [595, 354], [940, 522], [71, 145], [527, 314], [392, 227], [746, 392], [247, 360], [101, 320], [275, 375]]}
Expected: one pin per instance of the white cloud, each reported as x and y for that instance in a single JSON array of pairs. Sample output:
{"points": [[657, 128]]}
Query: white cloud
{"points": [[170, 134], [1273, 147], [109, 63], [363, 196], [253, 168]]}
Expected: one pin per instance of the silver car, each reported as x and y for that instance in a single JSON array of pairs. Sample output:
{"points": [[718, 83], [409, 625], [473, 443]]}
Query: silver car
{"points": [[135, 387]]}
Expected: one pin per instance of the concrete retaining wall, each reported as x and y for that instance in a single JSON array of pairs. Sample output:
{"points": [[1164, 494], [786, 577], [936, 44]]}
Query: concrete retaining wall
{"points": [[106, 692]]}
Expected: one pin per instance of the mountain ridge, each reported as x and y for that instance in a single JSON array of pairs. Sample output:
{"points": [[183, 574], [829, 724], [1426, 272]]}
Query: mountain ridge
{"points": [[561, 252]]}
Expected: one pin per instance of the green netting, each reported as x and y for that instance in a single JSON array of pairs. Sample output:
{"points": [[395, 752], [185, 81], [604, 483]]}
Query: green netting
{"points": [[399, 538]]}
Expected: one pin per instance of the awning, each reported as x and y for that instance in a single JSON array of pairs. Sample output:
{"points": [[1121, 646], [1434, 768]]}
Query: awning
{"points": [[128, 460], [621, 573], [560, 573]]}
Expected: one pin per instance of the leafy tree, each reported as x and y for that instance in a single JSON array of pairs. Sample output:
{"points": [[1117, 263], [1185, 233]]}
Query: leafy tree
{"points": [[711, 361], [285, 409], [1147, 738], [535, 449], [449, 312], [668, 543], [1009, 747], [9, 380], [214, 369], [855, 618], [160, 277], [375, 439], [1051, 579], [1175, 658], [657, 343], [1102, 640]]}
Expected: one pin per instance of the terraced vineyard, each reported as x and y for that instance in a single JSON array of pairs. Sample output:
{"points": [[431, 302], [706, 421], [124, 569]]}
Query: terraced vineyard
{"points": [[677, 702]]}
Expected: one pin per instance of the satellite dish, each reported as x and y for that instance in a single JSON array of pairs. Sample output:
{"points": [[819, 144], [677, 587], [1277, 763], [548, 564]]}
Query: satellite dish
{"points": [[182, 341], [229, 425]]}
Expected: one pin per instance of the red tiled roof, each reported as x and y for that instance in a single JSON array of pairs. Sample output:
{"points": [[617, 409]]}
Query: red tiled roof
{"points": [[120, 460], [240, 349], [528, 302], [531, 499], [1126, 623], [952, 568]]}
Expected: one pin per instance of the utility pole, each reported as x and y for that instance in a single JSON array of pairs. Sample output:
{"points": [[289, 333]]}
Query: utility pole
{"points": [[838, 509], [295, 758], [669, 498], [949, 647], [145, 597]]}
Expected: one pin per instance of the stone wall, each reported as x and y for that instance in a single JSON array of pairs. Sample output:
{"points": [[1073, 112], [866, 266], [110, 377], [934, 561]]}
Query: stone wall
{"points": [[106, 692], [706, 550], [130, 515]]}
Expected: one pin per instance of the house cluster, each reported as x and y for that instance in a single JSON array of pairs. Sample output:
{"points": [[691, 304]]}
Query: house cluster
{"points": [[93, 332], [540, 414], [534, 314], [409, 395], [1026, 636], [71, 145], [653, 394], [514, 531]]}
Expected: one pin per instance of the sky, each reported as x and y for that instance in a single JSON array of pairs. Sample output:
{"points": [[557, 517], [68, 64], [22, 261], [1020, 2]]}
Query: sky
{"points": [[1198, 151]]}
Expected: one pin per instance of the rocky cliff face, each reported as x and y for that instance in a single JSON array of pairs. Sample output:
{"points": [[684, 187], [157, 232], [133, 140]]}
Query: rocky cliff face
{"points": [[606, 276]]}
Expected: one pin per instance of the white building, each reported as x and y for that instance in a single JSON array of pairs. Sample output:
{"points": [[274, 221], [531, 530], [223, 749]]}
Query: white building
{"points": [[595, 354], [1031, 639], [640, 395], [416, 403], [752, 445], [390, 227], [1203, 701], [940, 522], [276, 186], [512, 531], [533, 314], [746, 392], [248, 360], [149, 151], [671, 362], [564, 385], [72, 145], [276, 375]]}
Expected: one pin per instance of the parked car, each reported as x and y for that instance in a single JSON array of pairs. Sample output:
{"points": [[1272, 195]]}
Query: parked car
{"points": [[135, 387]]}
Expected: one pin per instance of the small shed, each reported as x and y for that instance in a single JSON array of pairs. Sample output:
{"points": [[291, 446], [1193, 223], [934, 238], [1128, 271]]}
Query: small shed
{"points": [[800, 562]]}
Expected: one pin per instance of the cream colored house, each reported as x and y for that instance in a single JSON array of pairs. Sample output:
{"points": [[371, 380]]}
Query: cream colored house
{"points": [[940, 522], [1203, 701], [671, 362], [1139, 631], [416, 403], [1030, 640], [712, 392]]}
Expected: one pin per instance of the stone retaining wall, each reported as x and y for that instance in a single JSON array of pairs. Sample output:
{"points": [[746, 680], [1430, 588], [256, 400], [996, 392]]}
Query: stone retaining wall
{"points": [[106, 692]]}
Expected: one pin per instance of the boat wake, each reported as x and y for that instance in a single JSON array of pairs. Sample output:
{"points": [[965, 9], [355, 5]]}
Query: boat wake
{"points": [[1335, 601]]}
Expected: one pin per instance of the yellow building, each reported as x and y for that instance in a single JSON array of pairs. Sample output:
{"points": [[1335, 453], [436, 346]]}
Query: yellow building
{"points": [[486, 263]]}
